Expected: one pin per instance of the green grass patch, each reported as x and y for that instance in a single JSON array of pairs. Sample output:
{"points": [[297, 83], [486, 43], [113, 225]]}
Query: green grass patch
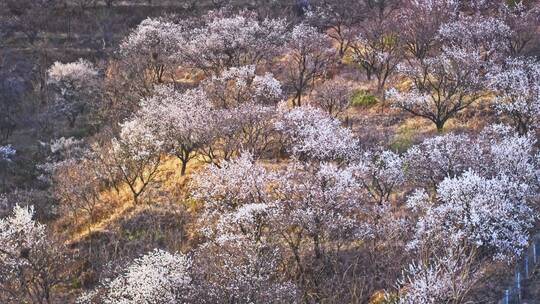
{"points": [[404, 137], [363, 98]]}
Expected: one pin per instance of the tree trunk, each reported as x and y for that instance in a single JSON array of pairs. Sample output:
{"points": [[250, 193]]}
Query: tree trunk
{"points": [[184, 167], [440, 126]]}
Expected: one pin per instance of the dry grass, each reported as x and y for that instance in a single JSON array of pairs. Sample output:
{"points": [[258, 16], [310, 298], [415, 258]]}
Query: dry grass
{"points": [[115, 205]]}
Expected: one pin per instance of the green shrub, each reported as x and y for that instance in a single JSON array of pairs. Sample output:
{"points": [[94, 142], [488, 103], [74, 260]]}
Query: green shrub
{"points": [[513, 3], [403, 139], [362, 98]]}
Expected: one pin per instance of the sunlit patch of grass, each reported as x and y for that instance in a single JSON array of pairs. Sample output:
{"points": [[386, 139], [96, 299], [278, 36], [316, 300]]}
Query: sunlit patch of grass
{"points": [[115, 205], [118, 206], [407, 133], [379, 297], [364, 99]]}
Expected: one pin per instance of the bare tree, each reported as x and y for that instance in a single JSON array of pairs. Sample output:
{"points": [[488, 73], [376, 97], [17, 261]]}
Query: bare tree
{"points": [[420, 22], [442, 86], [310, 55], [378, 50], [340, 18], [136, 155]]}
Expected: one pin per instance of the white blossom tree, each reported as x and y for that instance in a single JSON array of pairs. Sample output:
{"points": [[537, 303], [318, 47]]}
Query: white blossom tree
{"points": [[156, 277], [421, 21], [436, 158], [440, 280], [378, 51], [77, 86], [136, 155], [496, 150], [249, 127], [238, 86], [380, 173], [333, 96], [310, 54], [313, 134], [223, 41], [442, 86], [479, 218], [340, 18], [152, 45], [317, 214], [233, 184], [30, 262], [522, 20], [180, 121], [511, 154], [240, 259], [471, 222], [486, 34], [240, 271], [320, 203], [518, 84]]}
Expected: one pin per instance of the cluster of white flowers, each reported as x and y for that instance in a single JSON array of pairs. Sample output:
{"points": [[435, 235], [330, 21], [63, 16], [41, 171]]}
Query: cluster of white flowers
{"points": [[498, 150], [179, 120], [79, 72], [233, 184], [431, 5], [156, 277], [381, 173], [313, 134], [425, 284], [224, 42], [471, 32], [137, 141], [429, 162], [511, 154], [19, 234], [321, 201], [240, 85], [471, 210], [7, 152], [518, 84], [152, 37], [307, 38], [64, 144]]}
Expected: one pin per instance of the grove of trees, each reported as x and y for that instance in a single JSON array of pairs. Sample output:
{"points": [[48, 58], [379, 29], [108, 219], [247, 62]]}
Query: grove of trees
{"points": [[274, 152]]}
